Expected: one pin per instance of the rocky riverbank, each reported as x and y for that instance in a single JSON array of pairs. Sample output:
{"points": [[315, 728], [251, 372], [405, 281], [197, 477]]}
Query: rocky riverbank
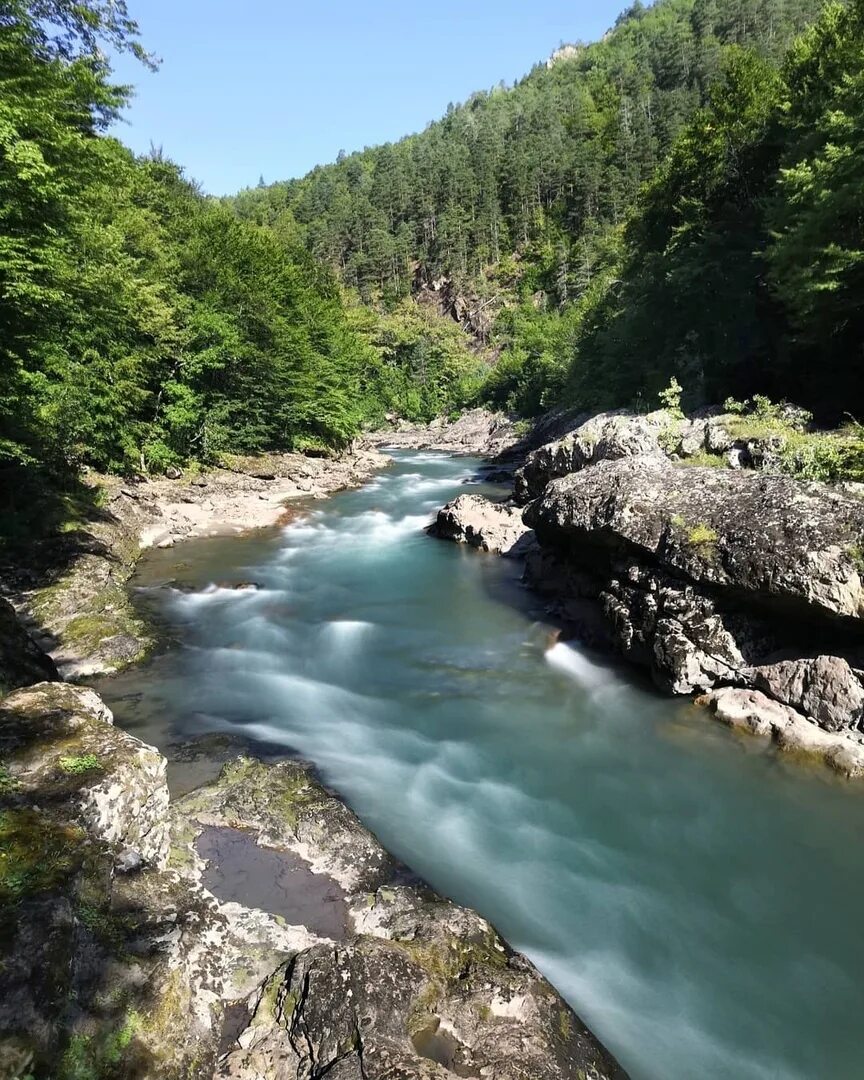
{"points": [[72, 594], [254, 929], [676, 544]]}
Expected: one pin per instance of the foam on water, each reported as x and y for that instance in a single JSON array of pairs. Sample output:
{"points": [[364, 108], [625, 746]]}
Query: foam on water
{"points": [[698, 905]]}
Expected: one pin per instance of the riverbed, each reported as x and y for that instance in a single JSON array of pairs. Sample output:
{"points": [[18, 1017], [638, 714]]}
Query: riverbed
{"points": [[695, 897]]}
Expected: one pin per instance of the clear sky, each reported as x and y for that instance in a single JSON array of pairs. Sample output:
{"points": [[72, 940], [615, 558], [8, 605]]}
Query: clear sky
{"points": [[274, 87]]}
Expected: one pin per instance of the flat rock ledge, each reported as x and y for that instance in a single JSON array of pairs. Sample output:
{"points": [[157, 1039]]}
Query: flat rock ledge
{"points": [[253, 930], [480, 523]]}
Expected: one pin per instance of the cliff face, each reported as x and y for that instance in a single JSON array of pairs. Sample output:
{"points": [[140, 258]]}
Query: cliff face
{"points": [[253, 929]]}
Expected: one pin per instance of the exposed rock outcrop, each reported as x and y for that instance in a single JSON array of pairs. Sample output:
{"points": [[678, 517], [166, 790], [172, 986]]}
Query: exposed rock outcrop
{"points": [[481, 523], [718, 579], [478, 431], [726, 441], [267, 935], [776, 541]]}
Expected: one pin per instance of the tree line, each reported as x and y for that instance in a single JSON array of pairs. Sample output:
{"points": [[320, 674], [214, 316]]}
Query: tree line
{"points": [[677, 199]]}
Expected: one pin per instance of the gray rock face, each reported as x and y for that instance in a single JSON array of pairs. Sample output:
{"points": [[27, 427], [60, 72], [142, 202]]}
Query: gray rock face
{"points": [[758, 714], [58, 743], [481, 523], [478, 431], [824, 687], [22, 662], [768, 538], [604, 437]]}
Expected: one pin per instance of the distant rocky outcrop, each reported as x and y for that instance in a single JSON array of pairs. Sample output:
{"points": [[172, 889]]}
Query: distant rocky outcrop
{"points": [[253, 929], [477, 432]]}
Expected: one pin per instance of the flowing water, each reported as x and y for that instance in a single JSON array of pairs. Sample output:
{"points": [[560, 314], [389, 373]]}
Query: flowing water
{"points": [[696, 898]]}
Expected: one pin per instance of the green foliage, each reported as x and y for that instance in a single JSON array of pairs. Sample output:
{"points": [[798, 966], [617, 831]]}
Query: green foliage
{"points": [[670, 398], [142, 324], [92, 1057], [81, 764], [35, 855], [528, 187], [422, 368]]}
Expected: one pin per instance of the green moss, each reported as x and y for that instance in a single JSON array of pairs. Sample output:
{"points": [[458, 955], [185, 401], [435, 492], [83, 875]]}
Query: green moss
{"points": [[856, 554], [92, 1057], [704, 460], [76, 765], [565, 1024], [702, 534], [8, 783], [36, 855], [448, 961]]}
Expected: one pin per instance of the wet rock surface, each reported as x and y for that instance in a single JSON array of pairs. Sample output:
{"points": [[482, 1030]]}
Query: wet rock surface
{"points": [[254, 929]]}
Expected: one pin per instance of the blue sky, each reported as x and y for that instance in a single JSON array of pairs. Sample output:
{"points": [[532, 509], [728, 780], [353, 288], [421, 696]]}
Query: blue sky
{"points": [[274, 87]]}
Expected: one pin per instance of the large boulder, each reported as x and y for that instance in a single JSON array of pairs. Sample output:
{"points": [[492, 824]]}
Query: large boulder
{"points": [[481, 523], [604, 437], [60, 749], [769, 540], [22, 662], [824, 687]]}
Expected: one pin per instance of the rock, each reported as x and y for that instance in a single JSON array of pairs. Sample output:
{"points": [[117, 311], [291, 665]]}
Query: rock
{"points": [[772, 540], [414, 966], [737, 458], [198, 481], [481, 523], [754, 712], [212, 964], [477, 431], [604, 437], [58, 742], [673, 629], [22, 662], [824, 687], [173, 473], [748, 709]]}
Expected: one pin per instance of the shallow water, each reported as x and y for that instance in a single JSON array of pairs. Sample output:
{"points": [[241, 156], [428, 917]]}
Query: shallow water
{"points": [[696, 898]]}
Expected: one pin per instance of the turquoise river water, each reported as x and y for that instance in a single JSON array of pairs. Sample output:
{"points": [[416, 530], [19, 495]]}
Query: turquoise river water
{"points": [[697, 899]]}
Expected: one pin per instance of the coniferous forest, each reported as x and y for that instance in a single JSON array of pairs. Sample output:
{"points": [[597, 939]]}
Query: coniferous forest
{"points": [[681, 199]]}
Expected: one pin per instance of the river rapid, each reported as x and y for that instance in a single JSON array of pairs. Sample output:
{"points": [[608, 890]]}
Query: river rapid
{"points": [[695, 897]]}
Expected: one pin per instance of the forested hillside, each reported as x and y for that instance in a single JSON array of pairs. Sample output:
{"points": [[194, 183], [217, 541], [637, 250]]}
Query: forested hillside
{"points": [[644, 207], [141, 323]]}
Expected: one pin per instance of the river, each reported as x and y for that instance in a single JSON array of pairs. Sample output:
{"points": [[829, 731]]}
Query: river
{"points": [[696, 897]]}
